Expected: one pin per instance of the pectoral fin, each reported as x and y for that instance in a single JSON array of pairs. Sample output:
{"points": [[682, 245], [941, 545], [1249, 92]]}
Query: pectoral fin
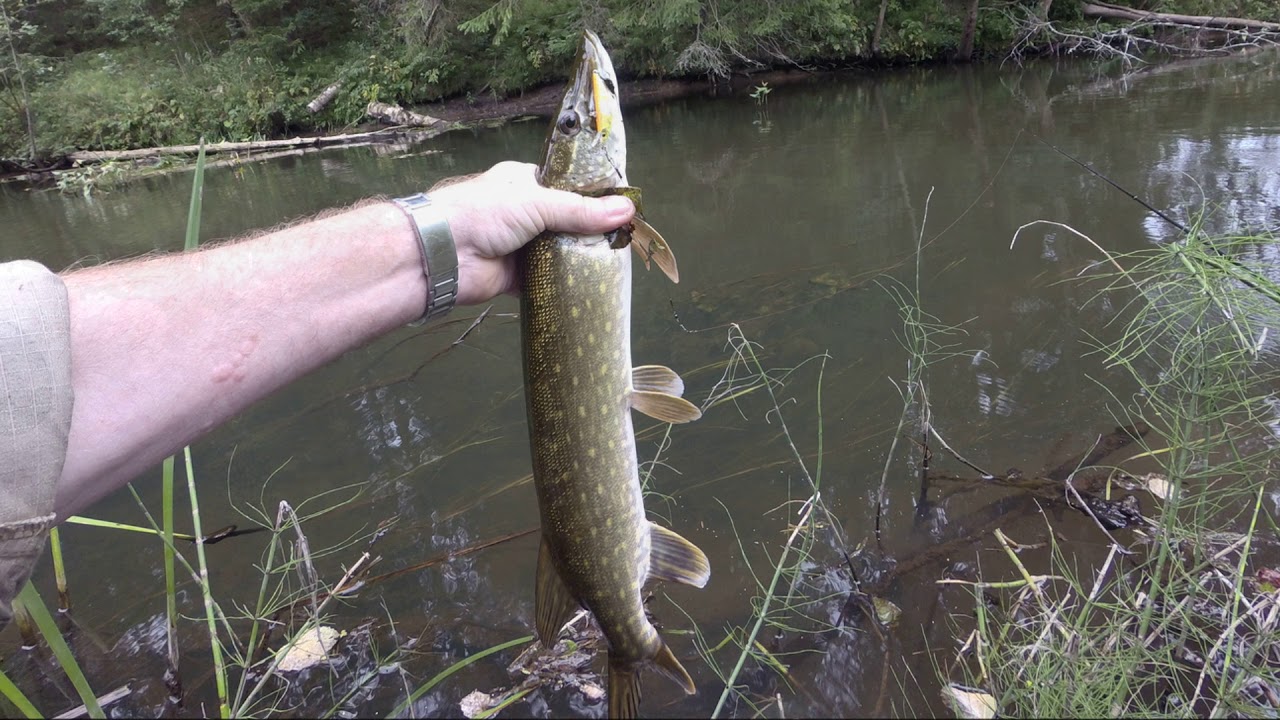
{"points": [[651, 246], [657, 378], [674, 559], [553, 603], [664, 407]]}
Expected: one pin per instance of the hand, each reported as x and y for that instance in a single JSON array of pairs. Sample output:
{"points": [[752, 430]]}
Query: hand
{"points": [[493, 214]]}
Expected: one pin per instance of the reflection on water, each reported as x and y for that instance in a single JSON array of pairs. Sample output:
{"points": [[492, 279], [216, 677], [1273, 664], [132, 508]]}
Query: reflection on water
{"points": [[783, 215]]}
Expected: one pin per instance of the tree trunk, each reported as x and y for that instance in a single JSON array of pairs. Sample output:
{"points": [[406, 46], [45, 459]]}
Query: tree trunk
{"points": [[1116, 12], [324, 98], [397, 115], [1043, 12], [875, 35], [965, 52]]}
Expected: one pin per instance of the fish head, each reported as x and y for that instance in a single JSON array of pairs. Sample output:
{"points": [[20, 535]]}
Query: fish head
{"points": [[586, 149]]}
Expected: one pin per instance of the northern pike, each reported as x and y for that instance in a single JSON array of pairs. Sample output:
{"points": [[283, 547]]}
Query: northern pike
{"points": [[597, 548]]}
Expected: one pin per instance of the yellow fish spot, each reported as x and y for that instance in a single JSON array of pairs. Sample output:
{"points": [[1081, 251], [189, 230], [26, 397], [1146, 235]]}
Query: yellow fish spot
{"points": [[582, 409], [568, 280], [608, 524], [600, 489], [608, 325], [591, 452], [588, 303], [604, 408], [595, 532], [575, 381], [622, 594], [579, 350], [556, 368], [613, 444], [591, 338], [574, 311], [604, 287]]}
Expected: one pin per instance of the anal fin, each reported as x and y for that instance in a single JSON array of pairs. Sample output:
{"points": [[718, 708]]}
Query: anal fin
{"points": [[553, 603], [674, 559]]}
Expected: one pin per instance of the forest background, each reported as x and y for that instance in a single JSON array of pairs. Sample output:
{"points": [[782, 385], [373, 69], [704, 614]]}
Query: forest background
{"points": [[115, 74]]}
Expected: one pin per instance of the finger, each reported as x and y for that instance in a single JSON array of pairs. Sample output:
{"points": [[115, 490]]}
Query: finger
{"points": [[512, 171], [569, 212]]}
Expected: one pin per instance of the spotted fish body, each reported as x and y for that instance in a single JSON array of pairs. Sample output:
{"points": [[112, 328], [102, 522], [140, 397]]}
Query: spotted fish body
{"points": [[598, 549]]}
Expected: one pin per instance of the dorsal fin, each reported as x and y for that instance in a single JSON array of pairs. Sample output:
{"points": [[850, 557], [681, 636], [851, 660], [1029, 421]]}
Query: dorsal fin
{"points": [[553, 603]]}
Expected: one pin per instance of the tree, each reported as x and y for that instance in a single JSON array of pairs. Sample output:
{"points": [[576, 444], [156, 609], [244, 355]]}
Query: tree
{"points": [[965, 51], [15, 67]]}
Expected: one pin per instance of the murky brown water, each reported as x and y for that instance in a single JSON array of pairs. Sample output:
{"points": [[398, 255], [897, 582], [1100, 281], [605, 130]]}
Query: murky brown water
{"points": [[789, 218]]}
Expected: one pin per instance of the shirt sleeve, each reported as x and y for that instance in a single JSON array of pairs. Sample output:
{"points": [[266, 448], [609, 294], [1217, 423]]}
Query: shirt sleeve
{"points": [[35, 415]]}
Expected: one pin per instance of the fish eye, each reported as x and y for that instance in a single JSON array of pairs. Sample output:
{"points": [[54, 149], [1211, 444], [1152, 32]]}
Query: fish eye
{"points": [[568, 123], [609, 84]]}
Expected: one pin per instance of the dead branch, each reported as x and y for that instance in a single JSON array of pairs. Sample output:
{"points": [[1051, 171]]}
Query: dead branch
{"points": [[324, 98], [397, 115], [81, 157], [1107, 11]]}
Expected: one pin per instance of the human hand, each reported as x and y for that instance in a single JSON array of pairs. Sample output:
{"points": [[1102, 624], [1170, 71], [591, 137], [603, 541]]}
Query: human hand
{"points": [[493, 214]]}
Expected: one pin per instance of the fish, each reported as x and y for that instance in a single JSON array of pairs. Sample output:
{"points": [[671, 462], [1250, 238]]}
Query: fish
{"points": [[597, 548]]}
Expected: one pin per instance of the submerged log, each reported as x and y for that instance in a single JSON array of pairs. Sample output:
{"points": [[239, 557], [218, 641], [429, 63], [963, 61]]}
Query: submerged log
{"points": [[397, 115], [92, 156], [1107, 11], [324, 98]]}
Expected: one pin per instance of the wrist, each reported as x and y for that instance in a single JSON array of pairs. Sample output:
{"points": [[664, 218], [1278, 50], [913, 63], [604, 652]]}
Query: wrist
{"points": [[429, 223]]}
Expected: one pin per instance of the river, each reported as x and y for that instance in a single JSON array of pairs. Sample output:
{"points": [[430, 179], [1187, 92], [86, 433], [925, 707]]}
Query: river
{"points": [[794, 220]]}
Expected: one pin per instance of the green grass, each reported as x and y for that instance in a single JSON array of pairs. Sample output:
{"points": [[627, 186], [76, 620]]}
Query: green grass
{"points": [[1175, 621]]}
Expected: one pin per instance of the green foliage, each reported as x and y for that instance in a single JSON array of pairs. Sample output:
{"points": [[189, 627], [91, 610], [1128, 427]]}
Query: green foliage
{"points": [[125, 73]]}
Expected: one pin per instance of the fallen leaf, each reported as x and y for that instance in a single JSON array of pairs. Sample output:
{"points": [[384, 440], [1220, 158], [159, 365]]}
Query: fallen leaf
{"points": [[476, 703], [886, 612], [968, 702], [1157, 485], [311, 648]]}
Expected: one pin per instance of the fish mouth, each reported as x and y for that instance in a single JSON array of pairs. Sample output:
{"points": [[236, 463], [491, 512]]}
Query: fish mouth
{"points": [[585, 150], [592, 84]]}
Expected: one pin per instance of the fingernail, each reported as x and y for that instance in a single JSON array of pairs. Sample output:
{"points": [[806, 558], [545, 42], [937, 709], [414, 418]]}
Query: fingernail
{"points": [[617, 204]]}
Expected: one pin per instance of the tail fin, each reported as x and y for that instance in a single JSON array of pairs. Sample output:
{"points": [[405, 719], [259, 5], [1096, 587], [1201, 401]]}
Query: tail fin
{"points": [[624, 689], [624, 681]]}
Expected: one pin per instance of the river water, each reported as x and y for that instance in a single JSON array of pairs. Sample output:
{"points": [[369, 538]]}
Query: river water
{"points": [[794, 221]]}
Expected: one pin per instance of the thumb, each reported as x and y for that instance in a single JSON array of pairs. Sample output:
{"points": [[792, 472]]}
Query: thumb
{"points": [[569, 212]]}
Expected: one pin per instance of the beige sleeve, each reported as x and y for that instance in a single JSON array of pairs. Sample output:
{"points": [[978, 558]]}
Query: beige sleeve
{"points": [[35, 415]]}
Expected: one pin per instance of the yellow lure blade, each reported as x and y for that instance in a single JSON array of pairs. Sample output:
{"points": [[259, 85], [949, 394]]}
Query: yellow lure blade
{"points": [[604, 116]]}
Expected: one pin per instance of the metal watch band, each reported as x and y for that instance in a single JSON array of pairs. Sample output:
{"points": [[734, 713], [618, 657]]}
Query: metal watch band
{"points": [[439, 255]]}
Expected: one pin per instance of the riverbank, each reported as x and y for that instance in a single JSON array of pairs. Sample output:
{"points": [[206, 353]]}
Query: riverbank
{"points": [[106, 76]]}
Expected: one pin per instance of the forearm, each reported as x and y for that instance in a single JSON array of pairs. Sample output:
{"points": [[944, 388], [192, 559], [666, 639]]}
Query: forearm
{"points": [[163, 350]]}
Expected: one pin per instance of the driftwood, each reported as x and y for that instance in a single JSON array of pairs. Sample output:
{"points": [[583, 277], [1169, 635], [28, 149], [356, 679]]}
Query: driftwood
{"points": [[397, 115], [81, 157], [1108, 11], [324, 98]]}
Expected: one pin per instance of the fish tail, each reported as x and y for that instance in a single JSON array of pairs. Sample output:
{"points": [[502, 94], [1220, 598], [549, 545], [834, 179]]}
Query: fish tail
{"points": [[624, 680], [624, 688]]}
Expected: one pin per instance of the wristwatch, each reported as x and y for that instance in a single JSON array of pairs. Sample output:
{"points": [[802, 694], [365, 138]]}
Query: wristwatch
{"points": [[439, 255]]}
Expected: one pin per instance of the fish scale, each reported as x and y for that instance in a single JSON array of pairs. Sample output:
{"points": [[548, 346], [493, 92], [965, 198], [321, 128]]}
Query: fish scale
{"points": [[597, 547]]}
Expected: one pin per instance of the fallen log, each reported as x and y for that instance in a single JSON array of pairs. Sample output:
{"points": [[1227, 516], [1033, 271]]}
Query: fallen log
{"points": [[397, 115], [324, 98], [91, 156], [1107, 11]]}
